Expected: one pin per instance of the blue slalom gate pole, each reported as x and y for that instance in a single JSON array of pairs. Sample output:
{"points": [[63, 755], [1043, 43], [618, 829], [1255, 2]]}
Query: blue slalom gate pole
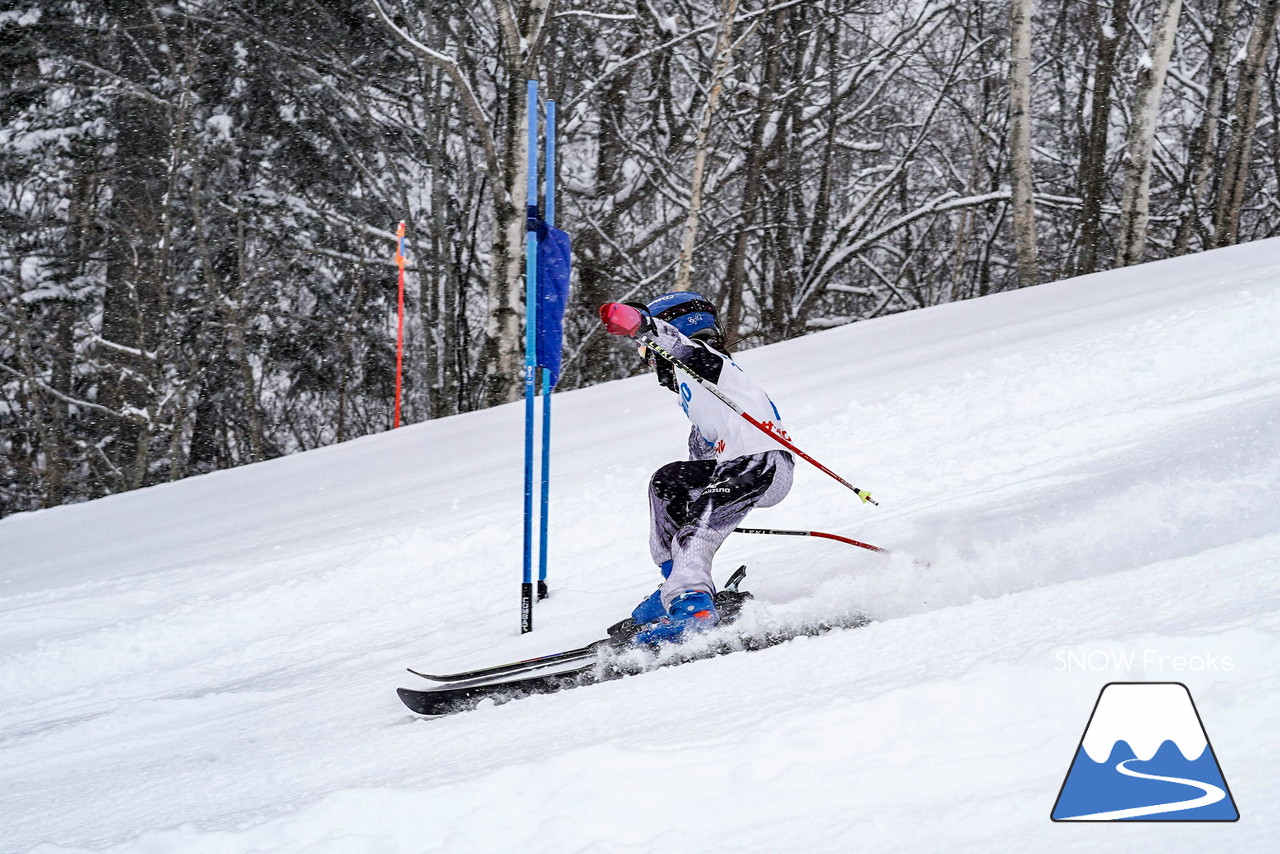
{"points": [[550, 215], [550, 168], [530, 360]]}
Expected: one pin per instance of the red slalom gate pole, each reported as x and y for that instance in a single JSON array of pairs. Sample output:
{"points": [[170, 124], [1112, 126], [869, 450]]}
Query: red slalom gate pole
{"points": [[399, 322]]}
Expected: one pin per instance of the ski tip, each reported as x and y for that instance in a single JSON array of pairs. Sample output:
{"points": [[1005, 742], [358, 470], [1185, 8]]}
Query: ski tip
{"points": [[430, 676], [413, 700]]}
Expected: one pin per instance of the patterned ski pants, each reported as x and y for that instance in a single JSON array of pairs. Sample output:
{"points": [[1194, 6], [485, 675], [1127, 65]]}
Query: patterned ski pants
{"points": [[695, 505]]}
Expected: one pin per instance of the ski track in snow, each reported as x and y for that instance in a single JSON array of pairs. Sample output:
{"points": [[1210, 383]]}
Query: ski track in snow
{"points": [[210, 666]]}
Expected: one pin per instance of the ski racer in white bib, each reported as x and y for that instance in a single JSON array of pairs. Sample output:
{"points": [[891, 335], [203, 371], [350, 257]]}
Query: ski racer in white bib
{"points": [[732, 468]]}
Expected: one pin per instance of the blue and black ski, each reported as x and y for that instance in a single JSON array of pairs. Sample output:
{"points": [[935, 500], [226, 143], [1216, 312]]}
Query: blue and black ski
{"points": [[596, 662], [461, 696]]}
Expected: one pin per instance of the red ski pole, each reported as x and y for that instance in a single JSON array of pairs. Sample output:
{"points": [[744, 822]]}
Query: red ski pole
{"points": [[786, 533], [774, 434], [836, 537]]}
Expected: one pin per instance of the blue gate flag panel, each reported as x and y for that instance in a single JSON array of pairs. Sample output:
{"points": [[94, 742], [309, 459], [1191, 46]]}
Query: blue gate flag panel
{"points": [[553, 295]]}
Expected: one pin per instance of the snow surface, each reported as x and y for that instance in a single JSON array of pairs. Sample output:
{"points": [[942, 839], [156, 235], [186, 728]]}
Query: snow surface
{"points": [[1092, 467]]}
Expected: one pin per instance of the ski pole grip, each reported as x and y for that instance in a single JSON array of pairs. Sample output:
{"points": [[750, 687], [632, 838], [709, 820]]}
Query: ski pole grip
{"points": [[620, 319]]}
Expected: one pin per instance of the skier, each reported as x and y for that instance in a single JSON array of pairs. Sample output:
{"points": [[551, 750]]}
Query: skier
{"points": [[732, 466]]}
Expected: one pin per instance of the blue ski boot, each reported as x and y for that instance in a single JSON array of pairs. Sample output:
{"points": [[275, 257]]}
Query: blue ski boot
{"points": [[691, 612], [651, 610]]}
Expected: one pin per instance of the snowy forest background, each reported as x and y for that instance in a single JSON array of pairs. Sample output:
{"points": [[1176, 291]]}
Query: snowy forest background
{"points": [[199, 198]]}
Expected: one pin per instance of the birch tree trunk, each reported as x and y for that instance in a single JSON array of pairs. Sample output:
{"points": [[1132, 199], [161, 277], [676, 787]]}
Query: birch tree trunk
{"points": [[1244, 118], [1024, 210], [133, 301], [1093, 164], [720, 67], [753, 183], [523, 29], [502, 357], [1200, 159], [440, 288], [1135, 199]]}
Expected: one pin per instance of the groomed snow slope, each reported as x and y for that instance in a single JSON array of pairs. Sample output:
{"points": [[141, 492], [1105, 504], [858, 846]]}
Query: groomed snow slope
{"points": [[1092, 467]]}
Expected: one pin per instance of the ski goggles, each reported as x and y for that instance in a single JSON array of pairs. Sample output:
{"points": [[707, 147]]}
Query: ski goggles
{"points": [[691, 316]]}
